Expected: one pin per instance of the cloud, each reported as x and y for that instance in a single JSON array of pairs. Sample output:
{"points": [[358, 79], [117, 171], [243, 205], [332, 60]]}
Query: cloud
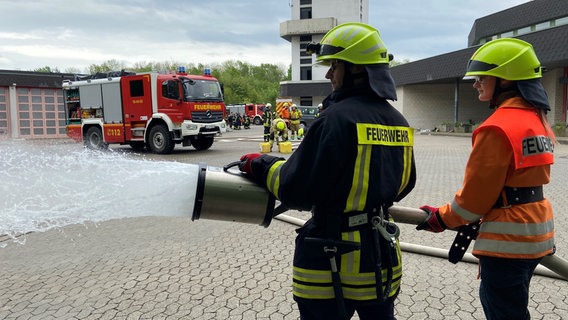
{"points": [[416, 30], [67, 33]]}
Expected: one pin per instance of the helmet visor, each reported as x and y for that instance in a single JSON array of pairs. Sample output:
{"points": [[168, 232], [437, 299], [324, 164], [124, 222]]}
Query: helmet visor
{"points": [[476, 66]]}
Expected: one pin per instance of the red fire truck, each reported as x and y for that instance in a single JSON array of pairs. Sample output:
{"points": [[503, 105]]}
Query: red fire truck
{"points": [[153, 110], [253, 111]]}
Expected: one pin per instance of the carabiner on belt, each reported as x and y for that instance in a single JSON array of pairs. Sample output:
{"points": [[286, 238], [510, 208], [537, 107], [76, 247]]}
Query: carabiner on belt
{"points": [[389, 232]]}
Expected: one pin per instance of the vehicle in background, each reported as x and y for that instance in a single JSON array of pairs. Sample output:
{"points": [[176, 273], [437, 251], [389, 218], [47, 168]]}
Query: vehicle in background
{"points": [[147, 110], [252, 110], [308, 115]]}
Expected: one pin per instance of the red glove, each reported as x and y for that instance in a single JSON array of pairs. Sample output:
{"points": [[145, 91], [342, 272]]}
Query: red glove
{"points": [[245, 165], [433, 222]]}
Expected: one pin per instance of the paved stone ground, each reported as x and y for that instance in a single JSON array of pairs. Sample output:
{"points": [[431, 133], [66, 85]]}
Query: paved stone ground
{"points": [[172, 268]]}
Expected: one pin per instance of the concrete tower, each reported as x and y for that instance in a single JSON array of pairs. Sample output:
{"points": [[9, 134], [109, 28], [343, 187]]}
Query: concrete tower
{"points": [[310, 21]]}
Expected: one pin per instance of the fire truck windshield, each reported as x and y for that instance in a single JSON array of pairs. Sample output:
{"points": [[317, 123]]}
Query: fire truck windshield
{"points": [[201, 90]]}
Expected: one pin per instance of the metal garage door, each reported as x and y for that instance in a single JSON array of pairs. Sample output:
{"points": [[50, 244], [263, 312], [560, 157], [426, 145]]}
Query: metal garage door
{"points": [[40, 113], [4, 109]]}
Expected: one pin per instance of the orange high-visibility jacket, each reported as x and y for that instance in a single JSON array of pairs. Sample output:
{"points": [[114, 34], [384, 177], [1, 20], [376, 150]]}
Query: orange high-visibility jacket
{"points": [[285, 113], [511, 148]]}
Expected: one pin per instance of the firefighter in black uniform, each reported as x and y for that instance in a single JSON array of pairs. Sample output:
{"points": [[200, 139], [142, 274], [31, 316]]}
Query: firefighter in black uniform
{"points": [[355, 161], [267, 121], [246, 121]]}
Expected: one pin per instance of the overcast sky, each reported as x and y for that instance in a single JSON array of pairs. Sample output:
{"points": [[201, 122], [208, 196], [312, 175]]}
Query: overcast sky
{"points": [[67, 34]]}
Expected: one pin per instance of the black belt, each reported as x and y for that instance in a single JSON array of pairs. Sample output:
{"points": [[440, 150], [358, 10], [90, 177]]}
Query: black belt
{"points": [[511, 196], [355, 220]]}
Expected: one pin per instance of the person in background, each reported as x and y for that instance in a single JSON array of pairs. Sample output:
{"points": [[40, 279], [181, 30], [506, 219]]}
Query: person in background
{"points": [[246, 121], [267, 121], [285, 112], [320, 106], [508, 165], [237, 121], [295, 116], [230, 121], [348, 170], [278, 131]]}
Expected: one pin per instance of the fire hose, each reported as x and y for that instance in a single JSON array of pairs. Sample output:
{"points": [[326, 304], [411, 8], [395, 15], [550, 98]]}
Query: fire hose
{"points": [[245, 201], [551, 266]]}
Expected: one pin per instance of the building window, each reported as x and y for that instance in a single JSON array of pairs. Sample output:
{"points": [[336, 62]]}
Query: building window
{"points": [[306, 13], [561, 21], [306, 73], [306, 101], [305, 58], [302, 2], [524, 30], [542, 26]]}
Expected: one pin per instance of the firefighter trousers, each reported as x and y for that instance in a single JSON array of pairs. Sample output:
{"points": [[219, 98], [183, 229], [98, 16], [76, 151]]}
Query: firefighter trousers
{"points": [[504, 288], [327, 310]]}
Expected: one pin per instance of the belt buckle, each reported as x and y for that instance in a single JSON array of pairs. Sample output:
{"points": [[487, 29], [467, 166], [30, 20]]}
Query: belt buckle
{"points": [[358, 220]]}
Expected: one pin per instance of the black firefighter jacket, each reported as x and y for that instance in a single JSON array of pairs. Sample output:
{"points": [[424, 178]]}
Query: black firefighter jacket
{"points": [[356, 157]]}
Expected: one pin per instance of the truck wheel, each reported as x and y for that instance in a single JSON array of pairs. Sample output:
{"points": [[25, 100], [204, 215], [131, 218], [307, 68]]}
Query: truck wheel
{"points": [[202, 143], [160, 140], [257, 121], [94, 139]]}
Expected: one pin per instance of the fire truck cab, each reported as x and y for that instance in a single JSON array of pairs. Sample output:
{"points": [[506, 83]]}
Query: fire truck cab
{"points": [[148, 110]]}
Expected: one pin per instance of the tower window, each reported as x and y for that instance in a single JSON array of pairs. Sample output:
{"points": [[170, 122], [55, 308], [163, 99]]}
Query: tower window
{"points": [[306, 13]]}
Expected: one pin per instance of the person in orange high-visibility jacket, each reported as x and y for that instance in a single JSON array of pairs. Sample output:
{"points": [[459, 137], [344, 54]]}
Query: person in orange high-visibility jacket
{"points": [[285, 112], [508, 165], [355, 161]]}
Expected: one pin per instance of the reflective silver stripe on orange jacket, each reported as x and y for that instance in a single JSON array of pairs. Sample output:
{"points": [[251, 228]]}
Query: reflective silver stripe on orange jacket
{"points": [[509, 247], [466, 214]]}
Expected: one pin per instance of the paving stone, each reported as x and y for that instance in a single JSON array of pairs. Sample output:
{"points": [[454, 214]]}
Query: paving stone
{"points": [[173, 268]]}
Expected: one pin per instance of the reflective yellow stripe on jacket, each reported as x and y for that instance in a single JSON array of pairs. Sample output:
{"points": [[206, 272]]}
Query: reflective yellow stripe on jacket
{"points": [[273, 177], [369, 135]]}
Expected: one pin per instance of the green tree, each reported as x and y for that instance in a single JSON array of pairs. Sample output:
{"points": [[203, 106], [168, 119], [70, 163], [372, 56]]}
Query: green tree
{"points": [[242, 82], [395, 63], [246, 83], [47, 69], [109, 65], [72, 70]]}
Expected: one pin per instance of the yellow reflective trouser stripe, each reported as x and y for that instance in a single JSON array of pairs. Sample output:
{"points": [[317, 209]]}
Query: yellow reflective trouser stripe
{"points": [[273, 177], [360, 184], [317, 284], [407, 168], [351, 261]]}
